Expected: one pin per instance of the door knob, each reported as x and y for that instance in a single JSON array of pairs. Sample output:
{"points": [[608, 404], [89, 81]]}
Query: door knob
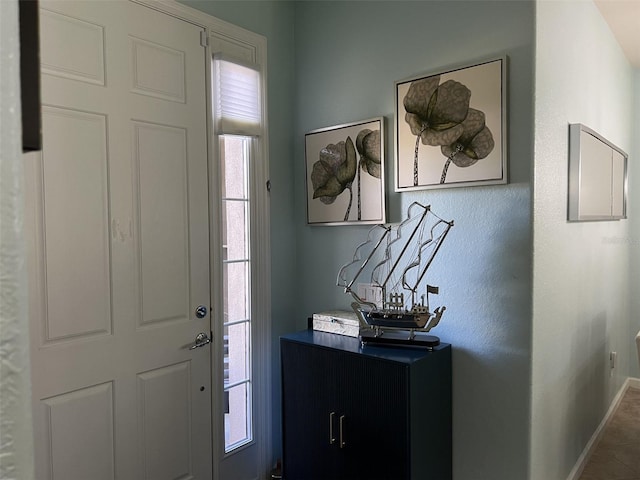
{"points": [[201, 311], [201, 340]]}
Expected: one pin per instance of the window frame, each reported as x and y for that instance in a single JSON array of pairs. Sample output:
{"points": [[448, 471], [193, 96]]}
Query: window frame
{"points": [[247, 261], [259, 253], [236, 42]]}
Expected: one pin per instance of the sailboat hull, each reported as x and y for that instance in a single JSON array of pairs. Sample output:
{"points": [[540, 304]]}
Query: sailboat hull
{"points": [[394, 319]]}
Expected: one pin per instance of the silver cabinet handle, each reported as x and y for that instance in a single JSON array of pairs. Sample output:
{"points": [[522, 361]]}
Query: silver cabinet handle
{"points": [[342, 442], [332, 439], [201, 340]]}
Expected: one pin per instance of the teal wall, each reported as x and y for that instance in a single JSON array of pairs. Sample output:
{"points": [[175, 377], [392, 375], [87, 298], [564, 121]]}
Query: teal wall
{"points": [[348, 54], [582, 296], [634, 193], [335, 62]]}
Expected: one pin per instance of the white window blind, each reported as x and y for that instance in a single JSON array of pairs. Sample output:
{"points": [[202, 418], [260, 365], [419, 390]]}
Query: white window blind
{"points": [[236, 98]]}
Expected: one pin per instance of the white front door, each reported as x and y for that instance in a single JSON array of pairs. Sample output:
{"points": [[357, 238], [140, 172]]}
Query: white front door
{"points": [[118, 242]]}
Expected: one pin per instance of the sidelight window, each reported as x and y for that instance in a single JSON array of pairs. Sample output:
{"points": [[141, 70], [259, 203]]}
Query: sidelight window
{"points": [[237, 128], [234, 155]]}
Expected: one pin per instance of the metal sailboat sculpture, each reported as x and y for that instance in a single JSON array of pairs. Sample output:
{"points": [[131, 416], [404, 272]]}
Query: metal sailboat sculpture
{"points": [[387, 275]]}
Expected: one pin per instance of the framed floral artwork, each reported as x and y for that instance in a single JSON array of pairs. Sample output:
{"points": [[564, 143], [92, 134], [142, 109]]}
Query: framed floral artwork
{"points": [[450, 128], [345, 174]]}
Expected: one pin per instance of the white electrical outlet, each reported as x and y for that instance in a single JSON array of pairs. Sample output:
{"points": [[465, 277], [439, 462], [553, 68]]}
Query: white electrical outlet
{"points": [[613, 360]]}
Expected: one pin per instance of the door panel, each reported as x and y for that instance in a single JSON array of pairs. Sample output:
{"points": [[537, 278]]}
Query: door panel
{"points": [[81, 449], [74, 48], [158, 71], [162, 459], [117, 217], [359, 381], [314, 402], [160, 160], [77, 266]]}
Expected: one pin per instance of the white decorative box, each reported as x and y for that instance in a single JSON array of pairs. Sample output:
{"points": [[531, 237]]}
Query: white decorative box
{"points": [[342, 322]]}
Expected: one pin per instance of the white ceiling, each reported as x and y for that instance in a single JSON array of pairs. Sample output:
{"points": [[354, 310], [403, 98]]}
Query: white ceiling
{"points": [[623, 17]]}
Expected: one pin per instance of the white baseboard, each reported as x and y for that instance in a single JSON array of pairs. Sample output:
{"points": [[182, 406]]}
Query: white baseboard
{"points": [[595, 438]]}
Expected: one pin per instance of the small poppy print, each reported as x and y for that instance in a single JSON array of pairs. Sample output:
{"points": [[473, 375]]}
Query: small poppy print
{"points": [[345, 174]]}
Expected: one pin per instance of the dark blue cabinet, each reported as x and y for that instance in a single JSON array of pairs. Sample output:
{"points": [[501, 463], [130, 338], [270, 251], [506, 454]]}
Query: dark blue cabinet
{"points": [[354, 412]]}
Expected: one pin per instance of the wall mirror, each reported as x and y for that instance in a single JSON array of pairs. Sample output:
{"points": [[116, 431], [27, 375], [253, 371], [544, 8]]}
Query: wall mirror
{"points": [[597, 177]]}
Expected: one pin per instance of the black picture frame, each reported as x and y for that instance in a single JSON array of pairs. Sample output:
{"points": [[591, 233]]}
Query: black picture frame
{"points": [[30, 75]]}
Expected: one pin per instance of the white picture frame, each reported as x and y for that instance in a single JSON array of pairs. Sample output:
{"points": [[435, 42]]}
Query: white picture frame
{"points": [[451, 127], [345, 170]]}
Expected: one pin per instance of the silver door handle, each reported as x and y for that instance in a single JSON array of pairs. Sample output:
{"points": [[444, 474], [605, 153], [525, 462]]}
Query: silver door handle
{"points": [[201, 340]]}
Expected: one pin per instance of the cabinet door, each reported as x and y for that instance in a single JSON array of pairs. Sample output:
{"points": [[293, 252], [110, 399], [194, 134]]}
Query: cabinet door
{"points": [[373, 400], [308, 400], [345, 415]]}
